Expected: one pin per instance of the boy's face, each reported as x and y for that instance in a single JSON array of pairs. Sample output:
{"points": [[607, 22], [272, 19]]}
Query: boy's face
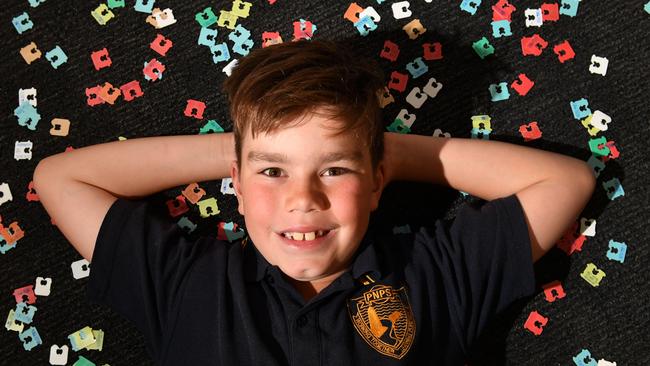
{"points": [[306, 191]]}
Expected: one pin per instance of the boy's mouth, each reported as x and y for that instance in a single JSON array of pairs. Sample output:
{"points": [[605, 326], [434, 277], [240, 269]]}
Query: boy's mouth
{"points": [[308, 236], [306, 242]]}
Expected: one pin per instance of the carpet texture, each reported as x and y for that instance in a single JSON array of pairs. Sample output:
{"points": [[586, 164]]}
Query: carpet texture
{"points": [[610, 321]]}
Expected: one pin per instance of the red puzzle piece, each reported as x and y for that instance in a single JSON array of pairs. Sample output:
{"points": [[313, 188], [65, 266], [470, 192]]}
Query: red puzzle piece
{"points": [[398, 81], [535, 323], [533, 45], [432, 51], [530, 131], [522, 84], [390, 51], [101, 59], [564, 51], [161, 44]]}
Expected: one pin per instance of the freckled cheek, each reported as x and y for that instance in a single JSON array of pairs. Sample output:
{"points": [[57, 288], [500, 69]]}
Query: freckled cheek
{"points": [[348, 200], [262, 202]]}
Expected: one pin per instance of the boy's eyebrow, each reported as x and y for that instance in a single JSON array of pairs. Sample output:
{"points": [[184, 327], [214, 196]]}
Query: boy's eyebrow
{"points": [[353, 155]]}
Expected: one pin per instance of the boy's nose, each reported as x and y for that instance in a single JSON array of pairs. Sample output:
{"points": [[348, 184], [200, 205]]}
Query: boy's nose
{"points": [[306, 196]]}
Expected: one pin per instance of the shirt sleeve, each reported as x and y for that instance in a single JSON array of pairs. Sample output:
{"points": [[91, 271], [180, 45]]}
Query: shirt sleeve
{"points": [[140, 260], [486, 262]]}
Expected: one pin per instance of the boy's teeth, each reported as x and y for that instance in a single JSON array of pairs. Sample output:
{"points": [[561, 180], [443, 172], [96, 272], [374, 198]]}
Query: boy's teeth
{"points": [[304, 236]]}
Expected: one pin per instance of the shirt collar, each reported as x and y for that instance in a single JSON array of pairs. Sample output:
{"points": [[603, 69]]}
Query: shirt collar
{"points": [[364, 262]]}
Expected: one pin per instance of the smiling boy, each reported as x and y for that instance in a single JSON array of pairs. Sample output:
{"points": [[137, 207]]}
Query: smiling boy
{"points": [[325, 188], [311, 283]]}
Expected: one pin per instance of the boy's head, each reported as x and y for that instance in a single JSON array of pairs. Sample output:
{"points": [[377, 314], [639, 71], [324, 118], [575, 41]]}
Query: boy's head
{"points": [[302, 101]]}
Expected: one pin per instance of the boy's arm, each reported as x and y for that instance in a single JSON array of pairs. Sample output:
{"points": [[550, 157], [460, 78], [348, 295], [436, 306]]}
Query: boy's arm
{"points": [[553, 188], [78, 187]]}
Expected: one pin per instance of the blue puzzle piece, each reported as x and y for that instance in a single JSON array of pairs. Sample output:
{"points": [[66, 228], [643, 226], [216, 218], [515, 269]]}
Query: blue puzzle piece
{"points": [[501, 28], [597, 165], [499, 91], [27, 115], [5, 247], [239, 34], [417, 67], [616, 251], [580, 108], [584, 359], [208, 37], [569, 7], [480, 133], [25, 312], [35, 3], [56, 57], [614, 188], [470, 6], [220, 52], [646, 7], [243, 48], [30, 338], [365, 25], [144, 6], [22, 23], [230, 234], [186, 224]]}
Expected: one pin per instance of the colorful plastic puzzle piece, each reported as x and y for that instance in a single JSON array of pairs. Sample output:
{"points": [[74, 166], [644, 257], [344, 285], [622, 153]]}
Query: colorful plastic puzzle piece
{"points": [[22, 23], [616, 251], [592, 274], [564, 51], [102, 14], [584, 359], [27, 115], [569, 7], [56, 56], [499, 91], [580, 108], [30, 338], [553, 291], [533, 45], [483, 48], [613, 188], [144, 6], [470, 6], [417, 67], [501, 28], [535, 323]]}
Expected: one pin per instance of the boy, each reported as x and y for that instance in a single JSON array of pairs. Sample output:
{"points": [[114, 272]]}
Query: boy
{"points": [[310, 285]]}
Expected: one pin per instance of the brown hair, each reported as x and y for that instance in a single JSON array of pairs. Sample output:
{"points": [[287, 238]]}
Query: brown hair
{"points": [[275, 85]]}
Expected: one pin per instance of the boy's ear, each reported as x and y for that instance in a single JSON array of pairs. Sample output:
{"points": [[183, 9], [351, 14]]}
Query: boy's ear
{"points": [[379, 182], [236, 183]]}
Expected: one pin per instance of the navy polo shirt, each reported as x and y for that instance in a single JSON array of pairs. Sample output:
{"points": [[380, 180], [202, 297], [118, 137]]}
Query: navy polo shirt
{"points": [[408, 299]]}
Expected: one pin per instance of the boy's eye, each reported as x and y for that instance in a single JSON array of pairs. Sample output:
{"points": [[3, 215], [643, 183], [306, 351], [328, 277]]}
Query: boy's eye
{"points": [[271, 169], [339, 170], [277, 170]]}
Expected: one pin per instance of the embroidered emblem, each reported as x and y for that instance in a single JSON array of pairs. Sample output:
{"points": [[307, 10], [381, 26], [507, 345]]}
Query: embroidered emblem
{"points": [[383, 318]]}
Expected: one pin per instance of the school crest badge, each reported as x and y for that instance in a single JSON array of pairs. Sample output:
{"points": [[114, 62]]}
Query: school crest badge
{"points": [[383, 318]]}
